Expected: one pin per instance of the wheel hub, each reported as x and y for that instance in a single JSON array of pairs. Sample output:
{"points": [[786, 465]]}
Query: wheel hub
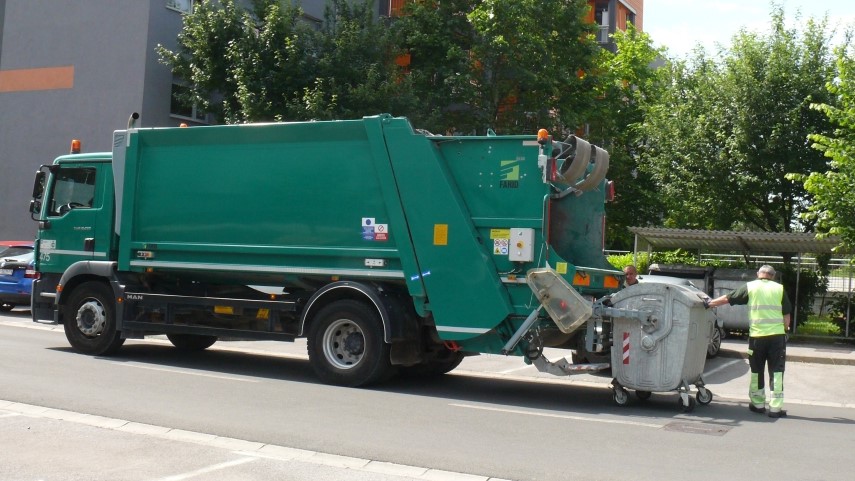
{"points": [[344, 344], [354, 344], [91, 318]]}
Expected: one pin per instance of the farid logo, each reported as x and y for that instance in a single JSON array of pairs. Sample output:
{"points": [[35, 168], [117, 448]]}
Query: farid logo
{"points": [[510, 172]]}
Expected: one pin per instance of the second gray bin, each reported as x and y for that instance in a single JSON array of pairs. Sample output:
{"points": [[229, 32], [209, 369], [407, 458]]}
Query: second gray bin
{"points": [[665, 351]]}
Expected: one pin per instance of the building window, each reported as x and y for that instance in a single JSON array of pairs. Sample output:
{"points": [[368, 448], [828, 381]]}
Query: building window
{"points": [[630, 18], [185, 6], [180, 107]]}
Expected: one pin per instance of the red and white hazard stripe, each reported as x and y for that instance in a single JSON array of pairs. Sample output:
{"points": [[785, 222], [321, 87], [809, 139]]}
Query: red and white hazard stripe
{"points": [[626, 348]]}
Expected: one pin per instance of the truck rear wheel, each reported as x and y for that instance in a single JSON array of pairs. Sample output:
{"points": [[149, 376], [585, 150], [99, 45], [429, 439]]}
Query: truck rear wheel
{"points": [[90, 320], [191, 342], [435, 367], [346, 345]]}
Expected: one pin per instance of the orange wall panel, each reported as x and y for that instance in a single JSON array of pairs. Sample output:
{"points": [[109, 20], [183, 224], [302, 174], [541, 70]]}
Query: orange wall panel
{"points": [[29, 79]]}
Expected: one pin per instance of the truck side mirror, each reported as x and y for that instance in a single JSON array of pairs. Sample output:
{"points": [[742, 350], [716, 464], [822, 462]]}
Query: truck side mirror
{"points": [[39, 184]]}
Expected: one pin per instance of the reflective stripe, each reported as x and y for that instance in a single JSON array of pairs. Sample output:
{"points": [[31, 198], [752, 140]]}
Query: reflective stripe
{"points": [[777, 402], [770, 307]]}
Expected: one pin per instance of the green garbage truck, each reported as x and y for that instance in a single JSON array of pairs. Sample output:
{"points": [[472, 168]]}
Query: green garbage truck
{"points": [[386, 247]]}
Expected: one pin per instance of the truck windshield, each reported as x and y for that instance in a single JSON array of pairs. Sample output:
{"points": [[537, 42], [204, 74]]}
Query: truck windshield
{"points": [[72, 189]]}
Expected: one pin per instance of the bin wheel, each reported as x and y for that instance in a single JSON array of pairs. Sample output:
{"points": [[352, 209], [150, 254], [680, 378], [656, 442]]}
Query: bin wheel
{"points": [[686, 407], [705, 396], [643, 395], [621, 396]]}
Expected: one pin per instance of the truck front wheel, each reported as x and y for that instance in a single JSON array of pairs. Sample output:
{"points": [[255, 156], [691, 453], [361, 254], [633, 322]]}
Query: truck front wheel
{"points": [[346, 345], [90, 320]]}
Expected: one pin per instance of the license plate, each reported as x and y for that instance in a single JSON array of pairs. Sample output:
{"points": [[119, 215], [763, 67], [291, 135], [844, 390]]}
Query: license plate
{"points": [[6, 272]]}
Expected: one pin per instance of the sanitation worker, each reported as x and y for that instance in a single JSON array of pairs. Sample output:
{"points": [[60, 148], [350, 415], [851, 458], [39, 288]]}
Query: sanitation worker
{"points": [[631, 274], [769, 312]]}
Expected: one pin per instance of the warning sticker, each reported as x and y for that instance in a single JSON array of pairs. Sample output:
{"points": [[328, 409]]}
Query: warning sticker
{"points": [[500, 247], [500, 233], [372, 231]]}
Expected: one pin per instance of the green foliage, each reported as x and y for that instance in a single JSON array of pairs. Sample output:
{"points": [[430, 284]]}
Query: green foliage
{"points": [[726, 132], [508, 65], [833, 207], [819, 326], [626, 81], [266, 64], [810, 284], [619, 261]]}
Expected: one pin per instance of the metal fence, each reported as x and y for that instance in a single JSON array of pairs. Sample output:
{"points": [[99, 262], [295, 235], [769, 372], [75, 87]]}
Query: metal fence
{"points": [[841, 281]]}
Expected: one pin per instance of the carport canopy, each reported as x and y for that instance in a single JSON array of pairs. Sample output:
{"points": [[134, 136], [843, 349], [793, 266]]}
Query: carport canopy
{"points": [[744, 242]]}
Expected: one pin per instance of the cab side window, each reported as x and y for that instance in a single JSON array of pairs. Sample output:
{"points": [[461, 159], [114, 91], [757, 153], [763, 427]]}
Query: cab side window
{"points": [[72, 189]]}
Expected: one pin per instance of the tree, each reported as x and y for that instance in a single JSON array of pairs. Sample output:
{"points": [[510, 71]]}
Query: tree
{"points": [[726, 133], [244, 65], [833, 207], [266, 64], [508, 65], [356, 70], [625, 81]]}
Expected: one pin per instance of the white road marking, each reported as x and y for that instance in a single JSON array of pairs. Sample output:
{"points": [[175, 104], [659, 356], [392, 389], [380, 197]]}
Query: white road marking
{"points": [[508, 371], [183, 371], [560, 416], [209, 469], [722, 367]]}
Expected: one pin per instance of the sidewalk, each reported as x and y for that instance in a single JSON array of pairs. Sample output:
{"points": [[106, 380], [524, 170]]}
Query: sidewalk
{"points": [[816, 352]]}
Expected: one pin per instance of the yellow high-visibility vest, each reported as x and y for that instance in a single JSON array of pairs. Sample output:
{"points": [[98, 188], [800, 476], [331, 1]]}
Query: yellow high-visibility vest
{"points": [[765, 301]]}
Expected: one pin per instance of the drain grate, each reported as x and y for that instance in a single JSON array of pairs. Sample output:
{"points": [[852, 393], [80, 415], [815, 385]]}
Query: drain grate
{"points": [[697, 428]]}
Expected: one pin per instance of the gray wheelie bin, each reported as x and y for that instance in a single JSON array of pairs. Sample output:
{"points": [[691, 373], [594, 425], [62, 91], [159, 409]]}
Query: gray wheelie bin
{"points": [[665, 348]]}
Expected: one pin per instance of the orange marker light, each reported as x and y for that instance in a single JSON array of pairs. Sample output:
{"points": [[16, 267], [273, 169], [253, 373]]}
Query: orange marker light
{"points": [[542, 136], [75, 146]]}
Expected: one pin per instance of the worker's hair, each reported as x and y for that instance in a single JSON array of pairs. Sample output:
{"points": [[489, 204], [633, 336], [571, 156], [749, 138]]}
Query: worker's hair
{"points": [[767, 269]]}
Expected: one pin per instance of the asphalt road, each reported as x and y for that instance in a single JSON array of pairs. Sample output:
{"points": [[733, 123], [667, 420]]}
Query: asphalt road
{"points": [[246, 410]]}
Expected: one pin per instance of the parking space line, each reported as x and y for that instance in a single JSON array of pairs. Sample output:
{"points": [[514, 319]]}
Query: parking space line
{"points": [[209, 469], [182, 371]]}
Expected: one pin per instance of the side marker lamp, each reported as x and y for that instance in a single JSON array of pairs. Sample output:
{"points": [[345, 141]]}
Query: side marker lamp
{"points": [[611, 282]]}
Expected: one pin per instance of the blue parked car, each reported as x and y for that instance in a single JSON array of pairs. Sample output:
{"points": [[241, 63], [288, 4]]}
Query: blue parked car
{"points": [[17, 271]]}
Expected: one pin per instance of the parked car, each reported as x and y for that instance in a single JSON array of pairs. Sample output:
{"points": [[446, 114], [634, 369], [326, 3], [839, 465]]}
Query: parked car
{"points": [[17, 271], [715, 341]]}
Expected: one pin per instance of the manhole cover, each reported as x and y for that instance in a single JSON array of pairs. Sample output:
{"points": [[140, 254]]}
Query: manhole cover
{"points": [[697, 428]]}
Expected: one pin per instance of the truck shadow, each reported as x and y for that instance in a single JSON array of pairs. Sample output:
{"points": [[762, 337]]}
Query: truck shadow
{"points": [[534, 397]]}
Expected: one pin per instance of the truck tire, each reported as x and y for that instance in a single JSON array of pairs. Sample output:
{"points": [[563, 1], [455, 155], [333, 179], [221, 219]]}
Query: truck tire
{"points": [[90, 320], [346, 345], [191, 342]]}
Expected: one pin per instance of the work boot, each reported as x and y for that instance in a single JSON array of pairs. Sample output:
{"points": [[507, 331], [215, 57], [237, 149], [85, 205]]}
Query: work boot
{"points": [[778, 414], [755, 409]]}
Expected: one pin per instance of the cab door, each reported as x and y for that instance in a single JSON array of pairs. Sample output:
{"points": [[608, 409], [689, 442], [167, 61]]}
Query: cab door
{"points": [[76, 208]]}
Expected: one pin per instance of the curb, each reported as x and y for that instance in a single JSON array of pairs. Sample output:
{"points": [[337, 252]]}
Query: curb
{"points": [[813, 359]]}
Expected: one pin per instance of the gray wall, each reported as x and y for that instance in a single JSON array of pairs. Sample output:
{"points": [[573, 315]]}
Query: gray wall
{"points": [[106, 43]]}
